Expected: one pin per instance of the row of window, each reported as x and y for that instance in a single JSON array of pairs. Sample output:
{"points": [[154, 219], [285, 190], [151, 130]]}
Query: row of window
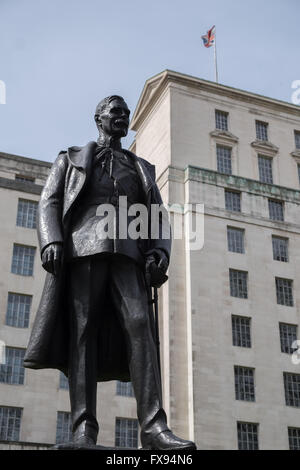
{"points": [[265, 169], [126, 430], [23, 255], [261, 127], [236, 244], [245, 386], [241, 334], [12, 370], [239, 287], [233, 203]]}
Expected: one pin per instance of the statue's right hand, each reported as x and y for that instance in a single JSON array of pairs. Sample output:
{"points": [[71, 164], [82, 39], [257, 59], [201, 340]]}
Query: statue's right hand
{"points": [[51, 258]]}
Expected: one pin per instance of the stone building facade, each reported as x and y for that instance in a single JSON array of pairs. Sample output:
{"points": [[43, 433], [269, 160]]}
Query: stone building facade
{"points": [[230, 311]]}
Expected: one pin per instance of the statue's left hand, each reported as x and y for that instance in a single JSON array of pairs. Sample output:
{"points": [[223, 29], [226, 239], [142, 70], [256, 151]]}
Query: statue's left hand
{"points": [[156, 267]]}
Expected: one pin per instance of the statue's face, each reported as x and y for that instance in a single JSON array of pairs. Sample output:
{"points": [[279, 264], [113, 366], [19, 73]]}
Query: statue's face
{"points": [[114, 119]]}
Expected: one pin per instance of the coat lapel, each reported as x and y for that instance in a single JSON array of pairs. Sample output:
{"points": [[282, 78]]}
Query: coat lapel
{"points": [[80, 159], [142, 171]]}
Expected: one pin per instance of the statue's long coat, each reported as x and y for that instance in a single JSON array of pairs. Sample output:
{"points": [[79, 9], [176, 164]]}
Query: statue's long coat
{"points": [[49, 342]]}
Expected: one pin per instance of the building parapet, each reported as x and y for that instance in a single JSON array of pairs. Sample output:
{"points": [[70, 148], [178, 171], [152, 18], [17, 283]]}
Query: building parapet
{"points": [[241, 184]]}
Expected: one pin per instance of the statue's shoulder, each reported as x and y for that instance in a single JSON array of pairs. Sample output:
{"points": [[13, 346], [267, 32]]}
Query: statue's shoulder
{"points": [[150, 167], [146, 163]]}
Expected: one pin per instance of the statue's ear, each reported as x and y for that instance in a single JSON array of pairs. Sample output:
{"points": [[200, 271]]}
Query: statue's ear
{"points": [[97, 119]]}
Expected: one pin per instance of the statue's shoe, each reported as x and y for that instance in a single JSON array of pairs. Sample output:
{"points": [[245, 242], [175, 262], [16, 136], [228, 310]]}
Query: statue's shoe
{"points": [[84, 441], [166, 440]]}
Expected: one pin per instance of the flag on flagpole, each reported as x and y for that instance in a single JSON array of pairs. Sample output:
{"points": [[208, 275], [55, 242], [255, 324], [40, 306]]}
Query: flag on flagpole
{"points": [[209, 40], [210, 37]]}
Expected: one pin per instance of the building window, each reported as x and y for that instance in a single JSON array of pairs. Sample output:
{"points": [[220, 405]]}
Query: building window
{"points": [[244, 383], [12, 372], [125, 389], [247, 436], [235, 239], [224, 160], [221, 120], [284, 292], [63, 381], [23, 259], [276, 210], [298, 166], [292, 389], [288, 334], [241, 331], [18, 310], [63, 427], [26, 216], [25, 179], [280, 249], [297, 139], [294, 438], [238, 283], [126, 433], [261, 130], [265, 169], [232, 201], [10, 423]]}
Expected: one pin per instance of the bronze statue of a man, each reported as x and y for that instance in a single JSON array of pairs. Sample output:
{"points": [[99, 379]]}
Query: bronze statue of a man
{"points": [[93, 320]]}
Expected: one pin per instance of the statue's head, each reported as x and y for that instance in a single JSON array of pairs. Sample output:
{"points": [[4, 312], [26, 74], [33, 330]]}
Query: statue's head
{"points": [[112, 117]]}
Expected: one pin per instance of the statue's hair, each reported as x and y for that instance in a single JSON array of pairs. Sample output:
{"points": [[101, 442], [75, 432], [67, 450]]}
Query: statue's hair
{"points": [[105, 102]]}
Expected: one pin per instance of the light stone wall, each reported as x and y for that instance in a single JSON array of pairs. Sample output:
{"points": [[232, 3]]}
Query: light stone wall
{"points": [[216, 410], [193, 119], [196, 317], [153, 138]]}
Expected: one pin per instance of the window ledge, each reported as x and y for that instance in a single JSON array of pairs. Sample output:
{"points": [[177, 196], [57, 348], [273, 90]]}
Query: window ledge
{"points": [[296, 153], [266, 147], [224, 136]]}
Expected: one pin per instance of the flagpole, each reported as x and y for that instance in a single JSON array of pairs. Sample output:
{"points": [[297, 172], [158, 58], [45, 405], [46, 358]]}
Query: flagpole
{"points": [[215, 54]]}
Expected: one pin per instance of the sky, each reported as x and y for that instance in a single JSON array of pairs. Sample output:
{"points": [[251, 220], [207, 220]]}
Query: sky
{"points": [[59, 58]]}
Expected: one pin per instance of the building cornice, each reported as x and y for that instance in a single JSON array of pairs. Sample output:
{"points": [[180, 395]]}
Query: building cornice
{"points": [[22, 186], [20, 159], [156, 85]]}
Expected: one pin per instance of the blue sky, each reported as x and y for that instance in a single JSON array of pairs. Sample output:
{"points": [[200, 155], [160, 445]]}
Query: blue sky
{"points": [[58, 58]]}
